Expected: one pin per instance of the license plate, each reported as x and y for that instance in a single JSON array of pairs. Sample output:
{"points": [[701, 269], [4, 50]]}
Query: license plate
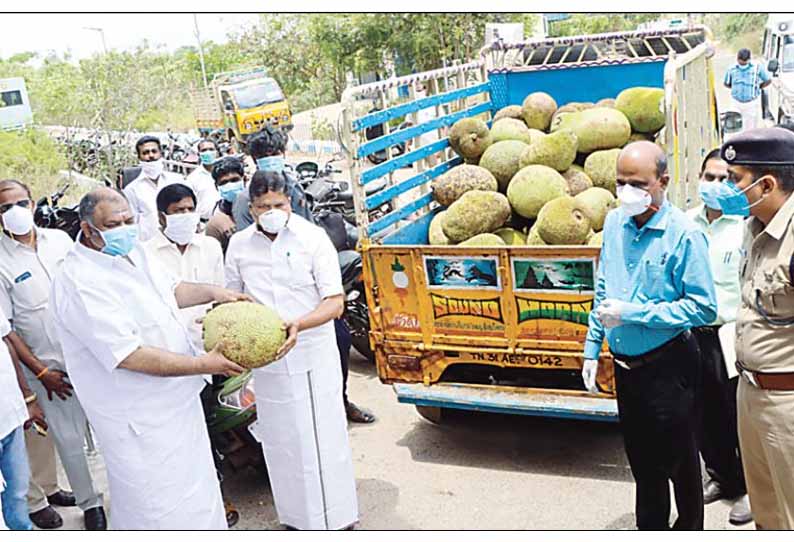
{"points": [[533, 361]]}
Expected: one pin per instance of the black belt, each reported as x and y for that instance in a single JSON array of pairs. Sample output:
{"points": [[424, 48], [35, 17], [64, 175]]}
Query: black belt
{"points": [[635, 362]]}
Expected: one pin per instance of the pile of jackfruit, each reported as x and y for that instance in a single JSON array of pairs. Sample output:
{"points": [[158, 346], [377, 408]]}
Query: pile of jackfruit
{"points": [[541, 174]]}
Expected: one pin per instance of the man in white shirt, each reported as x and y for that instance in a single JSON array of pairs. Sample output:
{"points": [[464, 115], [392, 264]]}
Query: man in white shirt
{"points": [[201, 181], [142, 191], [287, 263], [193, 258], [132, 364], [18, 410], [29, 257]]}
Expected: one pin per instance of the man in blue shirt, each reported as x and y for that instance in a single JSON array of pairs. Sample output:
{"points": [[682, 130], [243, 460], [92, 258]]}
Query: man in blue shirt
{"points": [[654, 284], [746, 80]]}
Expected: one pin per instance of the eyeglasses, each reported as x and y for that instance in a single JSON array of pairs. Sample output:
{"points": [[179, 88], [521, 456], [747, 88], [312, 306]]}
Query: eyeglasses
{"points": [[21, 203]]}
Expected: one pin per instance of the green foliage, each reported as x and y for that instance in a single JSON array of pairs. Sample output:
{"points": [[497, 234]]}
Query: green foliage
{"points": [[598, 23], [31, 157]]}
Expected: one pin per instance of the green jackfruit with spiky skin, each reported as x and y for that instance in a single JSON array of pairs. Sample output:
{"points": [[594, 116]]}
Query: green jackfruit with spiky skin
{"points": [[534, 239], [250, 333], [606, 102], [483, 240], [510, 130], [644, 107], [537, 110], [562, 222], [511, 236], [476, 212], [469, 138], [509, 112], [602, 168], [557, 150], [502, 159], [596, 203], [457, 181], [534, 186], [577, 179], [596, 129], [435, 234]]}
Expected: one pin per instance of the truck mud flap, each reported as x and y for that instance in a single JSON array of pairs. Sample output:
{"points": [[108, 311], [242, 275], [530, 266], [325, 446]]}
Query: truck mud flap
{"points": [[527, 402]]}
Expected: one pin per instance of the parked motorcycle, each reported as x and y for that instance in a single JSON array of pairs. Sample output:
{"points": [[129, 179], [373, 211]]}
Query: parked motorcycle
{"points": [[49, 214], [376, 131]]}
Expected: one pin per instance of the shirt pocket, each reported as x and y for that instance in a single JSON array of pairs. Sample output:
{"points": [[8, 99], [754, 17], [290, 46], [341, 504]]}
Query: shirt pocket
{"points": [[774, 295], [31, 293]]}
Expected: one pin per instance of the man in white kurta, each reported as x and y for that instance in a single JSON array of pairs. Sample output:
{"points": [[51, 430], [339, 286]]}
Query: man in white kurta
{"points": [[132, 365], [301, 418]]}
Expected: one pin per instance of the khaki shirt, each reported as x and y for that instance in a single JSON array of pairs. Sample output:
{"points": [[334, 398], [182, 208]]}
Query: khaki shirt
{"points": [[766, 277]]}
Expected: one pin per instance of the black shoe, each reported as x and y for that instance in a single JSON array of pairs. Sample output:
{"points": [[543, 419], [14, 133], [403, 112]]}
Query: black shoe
{"points": [[740, 512], [712, 492], [95, 519], [358, 415], [62, 498], [47, 518]]}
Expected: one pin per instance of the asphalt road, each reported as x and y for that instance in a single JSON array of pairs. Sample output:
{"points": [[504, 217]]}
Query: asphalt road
{"points": [[475, 471]]}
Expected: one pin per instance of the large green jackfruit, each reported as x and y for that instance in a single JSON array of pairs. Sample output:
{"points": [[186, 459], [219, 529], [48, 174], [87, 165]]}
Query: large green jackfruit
{"points": [[537, 109], [435, 234], [476, 212], [457, 181], [483, 240], [597, 128], [251, 333], [602, 168], [509, 112], [577, 179], [596, 202], [532, 187], [510, 130], [469, 138], [644, 107], [596, 240], [557, 150], [534, 238], [562, 222], [502, 159], [511, 236]]}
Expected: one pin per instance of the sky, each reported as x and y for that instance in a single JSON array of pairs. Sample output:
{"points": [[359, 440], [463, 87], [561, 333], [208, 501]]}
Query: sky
{"points": [[62, 32]]}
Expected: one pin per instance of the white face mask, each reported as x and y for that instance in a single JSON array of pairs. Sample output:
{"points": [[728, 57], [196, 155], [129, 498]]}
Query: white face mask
{"points": [[180, 228], [634, 201], [18, 220], [153, 170], [274, 221]]}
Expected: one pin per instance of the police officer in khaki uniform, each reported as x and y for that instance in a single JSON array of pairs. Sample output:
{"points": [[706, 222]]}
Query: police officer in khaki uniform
{"points": [[760, 184]]}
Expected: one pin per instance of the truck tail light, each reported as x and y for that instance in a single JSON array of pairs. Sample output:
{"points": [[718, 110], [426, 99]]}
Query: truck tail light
{"points": [[409, 363]]}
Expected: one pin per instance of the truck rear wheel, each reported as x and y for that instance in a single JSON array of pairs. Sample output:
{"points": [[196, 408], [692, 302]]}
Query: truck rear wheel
{"points": [[434, 415]]}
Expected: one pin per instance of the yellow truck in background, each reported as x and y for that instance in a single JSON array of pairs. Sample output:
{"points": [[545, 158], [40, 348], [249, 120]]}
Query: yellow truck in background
{"points": [[240, 103], [502, 329]]}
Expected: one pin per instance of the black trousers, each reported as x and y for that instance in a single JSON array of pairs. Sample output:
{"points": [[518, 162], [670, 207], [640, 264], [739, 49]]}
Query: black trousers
{"points": [[657, 404], [344, 340], [717, 433], [207, 404]]}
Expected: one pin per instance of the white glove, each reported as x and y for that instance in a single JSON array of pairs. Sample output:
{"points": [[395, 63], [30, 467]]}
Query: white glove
{"points": [[610, 311], [589, 372]]}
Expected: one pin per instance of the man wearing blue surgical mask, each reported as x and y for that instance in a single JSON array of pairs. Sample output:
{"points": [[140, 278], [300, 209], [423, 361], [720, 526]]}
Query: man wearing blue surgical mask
{"points": [[201, 182], [718, 438], [268, 148], [654, 284], [228, 174], [760, 183], [131, 361]]}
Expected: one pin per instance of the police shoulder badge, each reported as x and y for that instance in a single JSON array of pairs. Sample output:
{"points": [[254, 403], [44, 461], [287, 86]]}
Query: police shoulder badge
{"points": [[730, 153]]}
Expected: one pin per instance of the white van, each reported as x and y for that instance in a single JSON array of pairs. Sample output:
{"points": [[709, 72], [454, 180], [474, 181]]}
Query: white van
{"points": [[15, 112], [778, 53]]}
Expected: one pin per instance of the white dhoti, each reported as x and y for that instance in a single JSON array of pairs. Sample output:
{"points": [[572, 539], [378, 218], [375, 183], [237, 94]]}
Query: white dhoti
{"points": [[161, 477], [751, 113], [303, 430]]}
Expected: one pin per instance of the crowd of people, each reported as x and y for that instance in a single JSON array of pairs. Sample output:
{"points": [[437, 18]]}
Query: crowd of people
{"points": [[107, 330], [695, 308]]}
